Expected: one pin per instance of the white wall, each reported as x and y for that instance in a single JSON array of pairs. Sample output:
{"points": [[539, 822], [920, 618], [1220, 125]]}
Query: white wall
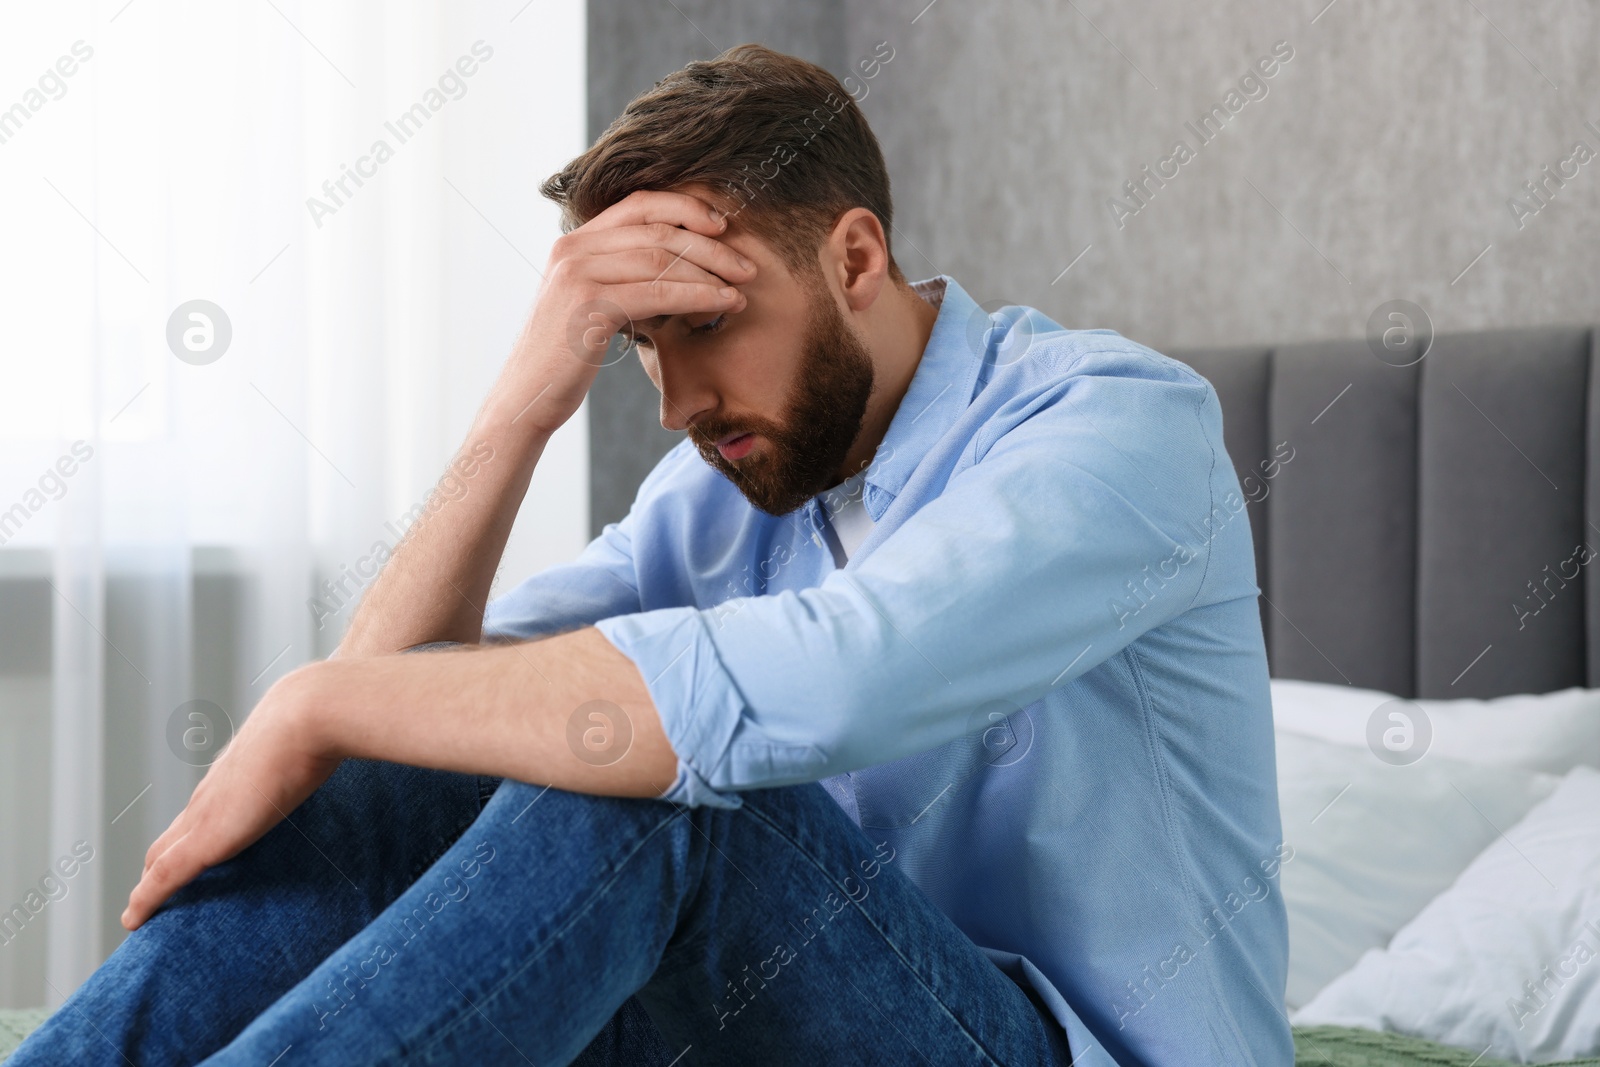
{"points": [[177, 164]]}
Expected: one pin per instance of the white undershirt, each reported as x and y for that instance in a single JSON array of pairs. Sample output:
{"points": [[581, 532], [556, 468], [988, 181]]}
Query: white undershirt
{"points": [[847, 512]]}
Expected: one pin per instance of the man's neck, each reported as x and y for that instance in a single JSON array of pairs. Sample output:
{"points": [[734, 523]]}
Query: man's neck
{"points": [[897, 347]]}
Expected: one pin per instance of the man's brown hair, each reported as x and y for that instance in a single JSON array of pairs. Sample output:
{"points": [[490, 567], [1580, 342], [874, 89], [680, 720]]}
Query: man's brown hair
{"points": [[779, 139]]}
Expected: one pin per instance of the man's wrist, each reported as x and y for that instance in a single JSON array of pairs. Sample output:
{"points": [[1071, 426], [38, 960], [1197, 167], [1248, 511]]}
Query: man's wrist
{"points": [[308, 700], [514, 440], [512, 407]]}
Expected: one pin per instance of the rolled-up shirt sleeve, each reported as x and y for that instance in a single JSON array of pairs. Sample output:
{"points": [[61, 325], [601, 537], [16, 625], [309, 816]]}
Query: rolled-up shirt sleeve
{"points": [[1078, 528]]}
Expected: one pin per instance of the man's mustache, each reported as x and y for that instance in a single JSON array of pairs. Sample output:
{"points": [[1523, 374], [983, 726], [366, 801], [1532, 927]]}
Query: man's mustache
{"points": [[707, 432]]}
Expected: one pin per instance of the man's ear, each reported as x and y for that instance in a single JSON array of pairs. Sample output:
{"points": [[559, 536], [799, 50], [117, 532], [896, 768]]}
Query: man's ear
{"points": [[860, 253]]}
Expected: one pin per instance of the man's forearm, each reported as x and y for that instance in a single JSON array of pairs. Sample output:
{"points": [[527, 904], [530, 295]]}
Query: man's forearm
{"points": [[436, 583], [569, 711]]}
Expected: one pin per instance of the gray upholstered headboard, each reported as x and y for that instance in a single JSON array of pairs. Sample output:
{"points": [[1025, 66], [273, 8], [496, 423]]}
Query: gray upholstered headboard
{"points": [[1430, 535]]}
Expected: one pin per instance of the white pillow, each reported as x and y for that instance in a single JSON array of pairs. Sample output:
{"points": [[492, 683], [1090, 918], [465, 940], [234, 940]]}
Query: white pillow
{"points": [[1507, 960], [1373, 843], [1551, 732]]}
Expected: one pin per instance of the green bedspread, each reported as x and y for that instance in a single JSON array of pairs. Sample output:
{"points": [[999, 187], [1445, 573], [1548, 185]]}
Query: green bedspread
{"points": [[1338, 1046], [1314, 1046], [16, 1025]]}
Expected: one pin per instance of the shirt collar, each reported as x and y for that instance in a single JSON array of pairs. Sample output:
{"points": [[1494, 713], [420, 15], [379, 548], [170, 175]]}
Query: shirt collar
{"points": [[940, 390]]}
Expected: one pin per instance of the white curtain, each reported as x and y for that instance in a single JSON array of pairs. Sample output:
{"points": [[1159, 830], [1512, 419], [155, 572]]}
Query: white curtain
{"points": [[260, 262]]}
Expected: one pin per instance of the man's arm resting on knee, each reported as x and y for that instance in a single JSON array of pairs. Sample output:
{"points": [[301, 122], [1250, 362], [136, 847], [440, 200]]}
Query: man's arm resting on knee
{"points": [[502, 710], [569, 711]]}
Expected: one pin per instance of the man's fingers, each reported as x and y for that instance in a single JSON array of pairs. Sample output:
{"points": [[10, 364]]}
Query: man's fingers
{"points": [[669, 245], [650, 265], [179, 827], [659, 205], [646, 300], [171, 871]]}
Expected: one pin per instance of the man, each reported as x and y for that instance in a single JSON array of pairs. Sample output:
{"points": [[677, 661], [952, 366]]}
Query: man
{"points": [[917, 712]]}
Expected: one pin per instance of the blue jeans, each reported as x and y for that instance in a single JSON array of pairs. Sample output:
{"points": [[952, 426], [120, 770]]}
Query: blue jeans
{"points": [[406, 915]]}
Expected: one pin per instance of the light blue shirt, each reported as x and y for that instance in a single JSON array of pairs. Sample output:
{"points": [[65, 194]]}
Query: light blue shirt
{"points": [[1040, 677]]}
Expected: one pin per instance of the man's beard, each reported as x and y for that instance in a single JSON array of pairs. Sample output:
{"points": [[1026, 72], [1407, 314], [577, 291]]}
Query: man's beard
{"points": [[805, 452]]}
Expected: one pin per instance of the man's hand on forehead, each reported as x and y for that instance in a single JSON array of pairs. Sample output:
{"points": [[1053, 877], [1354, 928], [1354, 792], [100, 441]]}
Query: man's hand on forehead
{"points": [[652, 255]]}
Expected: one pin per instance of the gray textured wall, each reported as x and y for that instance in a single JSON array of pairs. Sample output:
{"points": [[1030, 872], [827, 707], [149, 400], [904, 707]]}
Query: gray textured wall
{"points": [[1378, 165]]}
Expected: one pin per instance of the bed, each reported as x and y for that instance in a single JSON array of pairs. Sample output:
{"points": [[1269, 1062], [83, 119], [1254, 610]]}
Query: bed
{"points": [[1424, 517]]}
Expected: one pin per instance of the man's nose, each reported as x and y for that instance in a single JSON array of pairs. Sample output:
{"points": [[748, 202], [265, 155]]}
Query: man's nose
{"points": [[684, 395]]}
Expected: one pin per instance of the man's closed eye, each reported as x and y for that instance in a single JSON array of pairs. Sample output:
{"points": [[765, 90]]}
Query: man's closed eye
{"points": [[640, 340]]}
